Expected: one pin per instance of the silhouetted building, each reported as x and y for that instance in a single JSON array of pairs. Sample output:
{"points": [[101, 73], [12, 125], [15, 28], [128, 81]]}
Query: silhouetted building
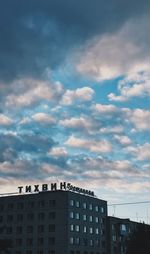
{"points": [[57, 221], [118, 233]]}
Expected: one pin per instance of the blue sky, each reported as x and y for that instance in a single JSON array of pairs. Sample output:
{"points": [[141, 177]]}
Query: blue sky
{"points": [[75, 97]]}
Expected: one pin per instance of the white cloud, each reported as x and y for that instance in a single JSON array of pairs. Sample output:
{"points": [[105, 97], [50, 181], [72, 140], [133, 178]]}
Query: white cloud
{"points": [[5, 121], [117, 54], [140, 118], [28, 91], [78, 123], [133, 85], [123, 140], [58, 152], [43, 118], [80, 94], [113, 129], [141, 152], [102, 146], [103, 109]]}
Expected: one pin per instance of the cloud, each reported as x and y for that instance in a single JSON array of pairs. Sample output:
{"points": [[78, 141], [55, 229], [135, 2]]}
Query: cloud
{"points": [[123, 140], [38, 35], [140, 118], [133, 85], [142, 152], [122, 52], [82, 123], [28, 92], [80, 94], [94, 146], [5, 121], [43, 118], [58, 152], [104, 109]]}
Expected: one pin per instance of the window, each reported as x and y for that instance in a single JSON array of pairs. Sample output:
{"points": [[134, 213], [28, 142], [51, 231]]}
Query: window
{"points": [[77, 204], [85, 241], [102, 232], [71, 215], [9, 217], [123, 227], [97, 242], [1, 230], [41, 203], [18, 242], [1, 218], [28, 252], [96, 231], [9, 230], [40, 241], [1, 207], [41, 216], [51, 252], [84, 205], [71, 240], [52, 215], [18, 230], [29, 241], [52, 203], [30, 204], [91, 218], [20, 205], [10, 206], [77, 240], [91, 242], [84, 217], [102, 209], [19, 217], [71, 227], [96, 208], [103, 221], [40, 228], [114, 238], [77, 228], [71, 202], [30, 216], [29, 229], [96, 219], [51, 240], [52, 228], [77, 216], [84, 229], [90, 207], [91, 230], [72, 252]]}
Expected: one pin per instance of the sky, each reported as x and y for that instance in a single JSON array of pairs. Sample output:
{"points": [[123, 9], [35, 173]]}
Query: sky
{"points": [[75, 98]]}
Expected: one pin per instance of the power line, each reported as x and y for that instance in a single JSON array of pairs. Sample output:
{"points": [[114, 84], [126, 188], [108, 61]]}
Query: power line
{"points": [[130, 203]]}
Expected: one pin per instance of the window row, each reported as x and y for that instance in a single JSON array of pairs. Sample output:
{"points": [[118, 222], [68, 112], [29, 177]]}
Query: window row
{"points": [[85, 205], [29, 229], [38, 252], [85, 217], [84, 242], [84, 252], [29, 204], [29, 216], [29, 241], [85, 229]]}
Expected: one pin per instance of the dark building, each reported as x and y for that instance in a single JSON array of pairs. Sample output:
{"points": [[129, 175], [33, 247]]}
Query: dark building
{"points": [[57, 221], [118, 233]]}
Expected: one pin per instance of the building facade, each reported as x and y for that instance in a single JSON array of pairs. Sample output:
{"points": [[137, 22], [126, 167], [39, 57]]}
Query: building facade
{"points": [[53, 222], [118, 233]]}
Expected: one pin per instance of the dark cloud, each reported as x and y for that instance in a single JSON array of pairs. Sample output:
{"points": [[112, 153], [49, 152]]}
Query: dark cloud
{"points": [[11, 146], [37, 34]]}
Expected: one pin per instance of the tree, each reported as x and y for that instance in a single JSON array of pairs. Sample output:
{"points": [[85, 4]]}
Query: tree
{"points": [[139, 241]]}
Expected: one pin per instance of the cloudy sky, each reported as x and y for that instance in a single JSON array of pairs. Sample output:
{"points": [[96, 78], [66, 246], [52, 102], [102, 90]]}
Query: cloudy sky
{"points": [[75, 97]]}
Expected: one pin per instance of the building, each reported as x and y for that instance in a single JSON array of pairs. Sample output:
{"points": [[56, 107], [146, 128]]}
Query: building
{"points": [[59, 220], [118, 233]]}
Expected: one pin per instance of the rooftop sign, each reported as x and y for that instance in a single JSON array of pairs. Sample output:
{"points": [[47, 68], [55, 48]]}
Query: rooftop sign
{"points": [[53, 187]]}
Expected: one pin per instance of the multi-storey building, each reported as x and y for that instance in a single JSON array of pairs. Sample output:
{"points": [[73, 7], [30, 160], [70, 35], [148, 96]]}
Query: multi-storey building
{"points": [[118, 233], [56, 221]]}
